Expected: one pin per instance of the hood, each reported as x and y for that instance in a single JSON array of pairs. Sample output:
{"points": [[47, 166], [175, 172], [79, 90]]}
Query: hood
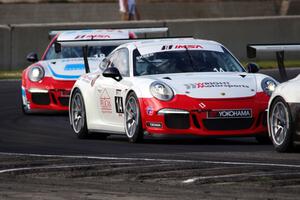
{"points": [[211, 84], [70, 69]]}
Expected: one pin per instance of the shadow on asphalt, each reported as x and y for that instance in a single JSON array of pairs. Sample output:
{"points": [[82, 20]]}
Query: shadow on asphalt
{"points": [[186, 140]]}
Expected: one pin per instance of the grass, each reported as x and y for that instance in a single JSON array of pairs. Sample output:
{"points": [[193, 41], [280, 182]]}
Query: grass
{"points": [[263, 64], [14, 74]]}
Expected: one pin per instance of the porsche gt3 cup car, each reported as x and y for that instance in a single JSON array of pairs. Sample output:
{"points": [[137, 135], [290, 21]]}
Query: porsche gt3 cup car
{"points": [[46, 84], [171, 86], [284, 107], [283, 115]]}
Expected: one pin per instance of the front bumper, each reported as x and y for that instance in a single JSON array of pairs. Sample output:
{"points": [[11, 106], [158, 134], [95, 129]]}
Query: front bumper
{"points": [[185, 115], [49, 94], [295, 112]]}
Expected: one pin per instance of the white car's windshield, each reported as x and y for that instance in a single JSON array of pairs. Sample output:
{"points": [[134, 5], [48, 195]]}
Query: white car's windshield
{"points": [[185, 61], [76, 52]]}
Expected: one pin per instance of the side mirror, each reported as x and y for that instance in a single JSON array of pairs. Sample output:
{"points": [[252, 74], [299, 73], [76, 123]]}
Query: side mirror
{"points": [[32, 57], [112, 72], [103, 64], [252, 67]]}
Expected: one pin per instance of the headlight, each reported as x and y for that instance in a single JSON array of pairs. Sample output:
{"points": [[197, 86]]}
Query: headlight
{"points": [[36, 73], [268, 86], [161, 91]]}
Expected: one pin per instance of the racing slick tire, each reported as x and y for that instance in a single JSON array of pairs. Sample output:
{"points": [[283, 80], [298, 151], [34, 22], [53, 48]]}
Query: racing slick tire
{"points": [[78, 116], [280, 125], [133, 121]]}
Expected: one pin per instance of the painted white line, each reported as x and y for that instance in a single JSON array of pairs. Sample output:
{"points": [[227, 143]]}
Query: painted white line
{"points": [[157, 160], [192, 180], [56, 167], [95, 157]]}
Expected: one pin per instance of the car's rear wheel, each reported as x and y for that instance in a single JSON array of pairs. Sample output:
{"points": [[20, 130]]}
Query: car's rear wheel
{"points": [[78, 116], [280, 125], [133, 122]]}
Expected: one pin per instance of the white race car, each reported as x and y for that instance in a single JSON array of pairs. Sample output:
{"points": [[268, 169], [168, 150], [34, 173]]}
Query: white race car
{"points": [[283, 116], [171, 86]]}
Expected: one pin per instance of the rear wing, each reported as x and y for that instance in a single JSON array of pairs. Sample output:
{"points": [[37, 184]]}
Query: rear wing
{"points": [[279, 49], [144, 31]]}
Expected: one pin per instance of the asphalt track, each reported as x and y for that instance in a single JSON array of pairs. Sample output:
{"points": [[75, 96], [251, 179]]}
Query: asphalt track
{"points": [[48, 136], [51, 134]]}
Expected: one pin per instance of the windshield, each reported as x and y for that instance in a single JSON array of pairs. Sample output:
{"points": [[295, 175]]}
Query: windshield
{"points": [[185, 61], [76, 52]]}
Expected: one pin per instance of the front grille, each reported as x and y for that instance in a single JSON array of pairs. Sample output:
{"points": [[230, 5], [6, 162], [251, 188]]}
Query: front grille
{"points": [[228, 124], [40, 98], [64, 101], [177, 121]]}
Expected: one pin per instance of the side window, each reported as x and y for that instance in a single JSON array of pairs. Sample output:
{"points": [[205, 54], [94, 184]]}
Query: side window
{"points": [[120, 60], [51, 53]]}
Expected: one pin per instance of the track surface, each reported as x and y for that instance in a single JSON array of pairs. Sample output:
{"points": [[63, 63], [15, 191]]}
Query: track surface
{"points": [[169, 167]]}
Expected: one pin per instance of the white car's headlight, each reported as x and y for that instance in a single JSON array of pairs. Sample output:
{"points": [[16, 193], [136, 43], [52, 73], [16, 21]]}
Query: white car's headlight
{"points": [[161, 91], [36, 73], [268, 85]]}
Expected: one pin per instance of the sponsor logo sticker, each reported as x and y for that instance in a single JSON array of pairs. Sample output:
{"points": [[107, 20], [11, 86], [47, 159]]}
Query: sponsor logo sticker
{"points": [[105, 102], [239, 113], [154, 124], [215, 84], [149, 110]]}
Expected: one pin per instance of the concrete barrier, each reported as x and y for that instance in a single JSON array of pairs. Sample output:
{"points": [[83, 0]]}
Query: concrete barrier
{"points": [[5, 47], [236, 33]]}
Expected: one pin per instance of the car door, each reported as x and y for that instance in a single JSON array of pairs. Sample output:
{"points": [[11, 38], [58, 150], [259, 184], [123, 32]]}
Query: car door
{"points": [[110, 92]]}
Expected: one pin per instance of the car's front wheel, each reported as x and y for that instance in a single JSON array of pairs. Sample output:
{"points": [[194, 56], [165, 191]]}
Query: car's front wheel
{"points": [[280, 125], [133, 122], [78, 116]]}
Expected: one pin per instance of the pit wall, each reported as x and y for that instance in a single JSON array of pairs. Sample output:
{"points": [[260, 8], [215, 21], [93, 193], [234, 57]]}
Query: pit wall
{"points": [[17, 40]]}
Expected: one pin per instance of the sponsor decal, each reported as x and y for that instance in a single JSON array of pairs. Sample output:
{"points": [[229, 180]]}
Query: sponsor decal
{"points": [[154, 124], [62, 76], [167, 47], [214, 84], [105, 102], [65, 93], [191, 46], [118, 92], [242, 113], [149, 110], [93, 36], [202, 105], [119, 105], [71, 67]]}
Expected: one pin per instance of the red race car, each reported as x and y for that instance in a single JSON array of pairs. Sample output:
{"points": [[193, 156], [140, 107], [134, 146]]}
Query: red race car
{"points": [[46, 83]]}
